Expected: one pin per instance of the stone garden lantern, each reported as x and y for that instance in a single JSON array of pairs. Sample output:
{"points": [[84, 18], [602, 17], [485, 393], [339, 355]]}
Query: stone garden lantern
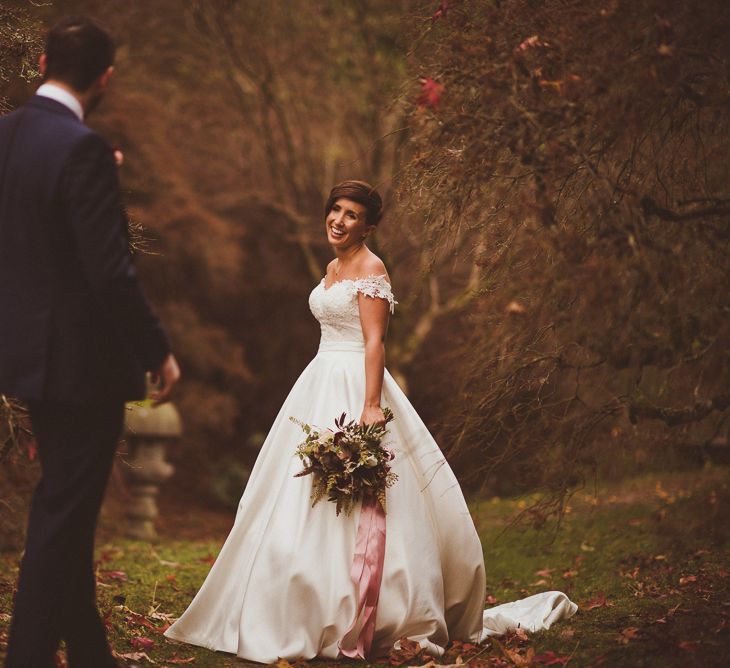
{"points": [[147, 429]]}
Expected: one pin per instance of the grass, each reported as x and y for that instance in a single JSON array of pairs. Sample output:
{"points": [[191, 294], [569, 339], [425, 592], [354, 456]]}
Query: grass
{"points": [[647, 561]]}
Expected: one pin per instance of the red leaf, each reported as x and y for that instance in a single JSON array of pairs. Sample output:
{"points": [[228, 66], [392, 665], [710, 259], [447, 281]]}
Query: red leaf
{"points": [[689, 645], [598, 602], [430, 95], [442, 10], [141, 620], [32, 449], [550, 659], [142, 643]]}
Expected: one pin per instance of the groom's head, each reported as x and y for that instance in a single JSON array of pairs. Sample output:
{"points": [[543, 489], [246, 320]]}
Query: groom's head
{"points": [[79, 53]]}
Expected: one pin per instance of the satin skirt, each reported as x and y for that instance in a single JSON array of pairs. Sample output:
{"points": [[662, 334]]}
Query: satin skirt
{"points": [[281, 587]]}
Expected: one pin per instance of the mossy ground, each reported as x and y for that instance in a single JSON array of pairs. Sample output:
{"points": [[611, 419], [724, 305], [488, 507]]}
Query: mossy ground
{"points": [[647, 560]]}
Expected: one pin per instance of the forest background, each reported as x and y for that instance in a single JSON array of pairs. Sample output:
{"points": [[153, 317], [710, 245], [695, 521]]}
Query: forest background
{"points": [[557, 202]]}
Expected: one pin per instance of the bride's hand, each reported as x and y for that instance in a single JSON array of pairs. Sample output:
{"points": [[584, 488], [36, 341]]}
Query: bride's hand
{"points": [[372, 415]]}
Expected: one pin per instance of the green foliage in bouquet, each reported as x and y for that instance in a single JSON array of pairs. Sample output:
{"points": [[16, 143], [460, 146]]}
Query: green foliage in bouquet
{"points": [[348, 464]]}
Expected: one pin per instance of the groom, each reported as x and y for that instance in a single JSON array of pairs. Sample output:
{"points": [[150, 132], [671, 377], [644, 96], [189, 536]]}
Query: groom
{"points": [[76, 337]]}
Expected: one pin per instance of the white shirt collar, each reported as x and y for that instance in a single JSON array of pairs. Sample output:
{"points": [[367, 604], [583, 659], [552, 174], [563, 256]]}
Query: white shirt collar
{"points": [[63, 96]]}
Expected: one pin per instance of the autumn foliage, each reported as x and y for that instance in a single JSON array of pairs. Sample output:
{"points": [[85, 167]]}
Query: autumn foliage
{"points": [[574, 152], [555, 179]]}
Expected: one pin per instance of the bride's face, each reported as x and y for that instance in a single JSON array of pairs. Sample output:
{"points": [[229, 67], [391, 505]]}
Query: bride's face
{"points": [[347, 223]]}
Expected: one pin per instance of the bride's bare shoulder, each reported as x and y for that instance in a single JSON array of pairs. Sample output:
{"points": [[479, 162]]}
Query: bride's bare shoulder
{"points": [[372, 265]]}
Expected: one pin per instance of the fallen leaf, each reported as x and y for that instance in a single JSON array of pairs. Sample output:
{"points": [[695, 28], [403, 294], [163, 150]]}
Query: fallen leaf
{"points": [[687, 579], [140, 620], [586, 547], [628, 634], [139, 642], [134, 656], [162, 616], [491, 600], [121, 576], [520, 660], [570, 574], [409, 651], [551, 659], [545, 572], [633, 573], [599, 602], [689, 645]]}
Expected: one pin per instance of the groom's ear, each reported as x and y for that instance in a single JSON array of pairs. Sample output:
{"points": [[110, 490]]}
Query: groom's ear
{"points": [[106, 77], [43, 64]]}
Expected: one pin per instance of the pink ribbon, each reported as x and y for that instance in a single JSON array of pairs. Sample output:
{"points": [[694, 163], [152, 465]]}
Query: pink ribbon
{"points": [[366, 574]]}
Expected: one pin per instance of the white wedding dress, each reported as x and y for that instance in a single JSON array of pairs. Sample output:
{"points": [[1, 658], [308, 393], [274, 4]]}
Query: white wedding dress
{"points": [[281, 586]]}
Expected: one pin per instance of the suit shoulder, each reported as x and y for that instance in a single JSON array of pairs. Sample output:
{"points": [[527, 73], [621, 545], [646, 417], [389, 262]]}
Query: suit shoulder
{"points": [[88, 144], [90, 138]]}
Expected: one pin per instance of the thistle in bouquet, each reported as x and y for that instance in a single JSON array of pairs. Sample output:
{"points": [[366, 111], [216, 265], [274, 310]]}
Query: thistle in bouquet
{"points": [[347, 464]]}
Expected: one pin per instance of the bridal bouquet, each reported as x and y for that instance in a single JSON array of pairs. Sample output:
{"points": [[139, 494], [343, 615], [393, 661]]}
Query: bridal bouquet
{"points": [[349, 464]]}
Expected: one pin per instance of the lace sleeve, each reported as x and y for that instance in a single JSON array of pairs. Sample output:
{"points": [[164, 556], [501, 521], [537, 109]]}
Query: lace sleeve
{"points": [[376, 287]]}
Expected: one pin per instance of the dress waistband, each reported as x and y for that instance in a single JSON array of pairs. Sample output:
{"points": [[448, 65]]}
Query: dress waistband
{"points": [[341, 347]]}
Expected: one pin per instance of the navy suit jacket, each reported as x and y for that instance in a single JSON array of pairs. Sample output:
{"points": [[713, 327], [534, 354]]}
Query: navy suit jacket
{"points": [[74, 323]]}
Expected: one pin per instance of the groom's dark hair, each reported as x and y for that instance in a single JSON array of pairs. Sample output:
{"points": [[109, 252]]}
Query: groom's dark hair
{"points": [[78, 51]]}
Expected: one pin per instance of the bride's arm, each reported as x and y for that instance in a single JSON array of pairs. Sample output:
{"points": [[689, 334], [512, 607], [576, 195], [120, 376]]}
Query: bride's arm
{"points": [[374, 313]]}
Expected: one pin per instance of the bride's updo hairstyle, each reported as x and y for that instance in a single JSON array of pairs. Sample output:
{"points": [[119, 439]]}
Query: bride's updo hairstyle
{"points": [[360, 192]]}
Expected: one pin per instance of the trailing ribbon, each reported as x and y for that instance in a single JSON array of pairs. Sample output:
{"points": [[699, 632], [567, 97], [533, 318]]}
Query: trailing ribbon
{"points": [[366, 574]]}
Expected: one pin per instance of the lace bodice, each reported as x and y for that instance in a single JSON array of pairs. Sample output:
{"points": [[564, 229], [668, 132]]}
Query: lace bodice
{"points": [[337, 310]]}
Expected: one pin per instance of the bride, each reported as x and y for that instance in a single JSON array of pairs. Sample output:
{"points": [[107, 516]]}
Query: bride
{"points": [[281, 586]]}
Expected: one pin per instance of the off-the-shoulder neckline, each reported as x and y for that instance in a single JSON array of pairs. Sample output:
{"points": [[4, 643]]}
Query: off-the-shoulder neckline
{"points": [[352, 280]]}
